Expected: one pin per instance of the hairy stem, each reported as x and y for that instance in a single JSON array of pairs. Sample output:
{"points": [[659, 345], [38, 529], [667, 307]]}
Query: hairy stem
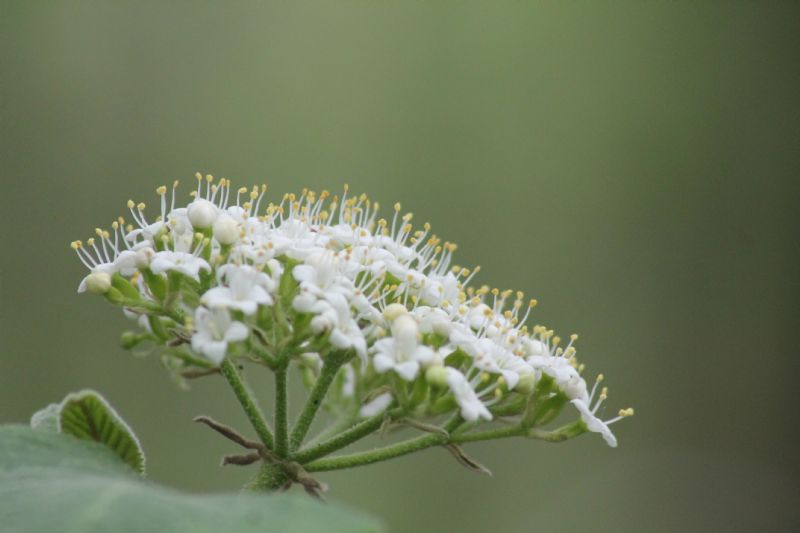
{"points": [[270, 477], [315, 398], [344, 439], [248, 404], [380, 454], [387, 452], [281, 412], [489, 434]]}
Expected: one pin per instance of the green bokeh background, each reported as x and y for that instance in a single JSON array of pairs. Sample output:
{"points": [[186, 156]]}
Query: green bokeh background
{"points": [[632, 165]]}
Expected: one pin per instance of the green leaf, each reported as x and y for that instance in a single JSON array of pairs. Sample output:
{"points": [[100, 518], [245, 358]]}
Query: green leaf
{"points": [[53, 482], [88, 416], [47, 418]]}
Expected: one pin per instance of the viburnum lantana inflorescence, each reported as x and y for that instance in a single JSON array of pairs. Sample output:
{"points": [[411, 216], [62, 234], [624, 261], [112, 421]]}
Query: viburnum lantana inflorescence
{"points": [[382, 327]]}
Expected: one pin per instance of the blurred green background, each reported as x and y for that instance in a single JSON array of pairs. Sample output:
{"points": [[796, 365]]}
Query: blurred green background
{"points": [[634, 166]]}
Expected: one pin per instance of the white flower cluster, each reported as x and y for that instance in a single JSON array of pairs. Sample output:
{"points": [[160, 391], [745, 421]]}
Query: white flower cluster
{"points": [[230, 272]]}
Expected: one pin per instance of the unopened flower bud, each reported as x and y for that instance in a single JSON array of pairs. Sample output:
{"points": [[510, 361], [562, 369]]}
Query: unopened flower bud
{"points": [[98, 282], [526, 384], [201, 213], [143, 257], [320, 323], [393, 311], [436, 376], [130, 340], [226, 230], [405, 328]]}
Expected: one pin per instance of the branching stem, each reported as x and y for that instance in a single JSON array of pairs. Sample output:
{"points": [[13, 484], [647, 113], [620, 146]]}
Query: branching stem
{"points": [[248, 404]]}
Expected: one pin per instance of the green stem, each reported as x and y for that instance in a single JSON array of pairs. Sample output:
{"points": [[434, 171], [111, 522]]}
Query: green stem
{"points": [[246, 400], [374, 456], [281, 412], [498, 433], [344, 439], [318, 392], [270, 477]]}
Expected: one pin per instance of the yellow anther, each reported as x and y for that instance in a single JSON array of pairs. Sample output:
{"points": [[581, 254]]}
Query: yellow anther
{"points": [[397, 207], [141, 206], [75, 245], [626, 412], [90, 242], [485, 377], [573, 337], [198, 176], [161, 191], [131, 204], [600, 377], [209, 178]]}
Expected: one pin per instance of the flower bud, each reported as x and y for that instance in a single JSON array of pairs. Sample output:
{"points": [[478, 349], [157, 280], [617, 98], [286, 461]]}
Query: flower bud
{"points": [[98, 282], [226, 230], [526, 384], [320, 323], [405, 329], [393, 311], [436, 376], [201, 213], [130, 340], [143, 257]]}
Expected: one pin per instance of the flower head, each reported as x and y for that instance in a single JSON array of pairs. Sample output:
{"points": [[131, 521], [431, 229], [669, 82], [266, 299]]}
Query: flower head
{"points": [[325, 275]]}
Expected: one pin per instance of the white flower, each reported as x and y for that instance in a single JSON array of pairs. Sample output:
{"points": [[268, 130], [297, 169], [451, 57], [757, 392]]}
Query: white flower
{"points": [[378, 287], [183, 262], [202, 213], [214, 330], [495, 359], [376, 406], [595, 424], [107, 259], [97, 282], [472, 408], [333, 314], [321, 273], [226, 230], [246, 289], [402, 352]]}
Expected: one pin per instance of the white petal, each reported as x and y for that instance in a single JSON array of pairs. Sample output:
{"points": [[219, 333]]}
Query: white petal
{"points": [[237, 332]]}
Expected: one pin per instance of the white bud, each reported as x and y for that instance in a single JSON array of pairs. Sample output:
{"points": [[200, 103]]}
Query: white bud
{"points": [[226, 230], [436, 376], [98, 282], [201, 213], [320, 323], [393, 311], [405, 329], [143, 257], [376, 406]]}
